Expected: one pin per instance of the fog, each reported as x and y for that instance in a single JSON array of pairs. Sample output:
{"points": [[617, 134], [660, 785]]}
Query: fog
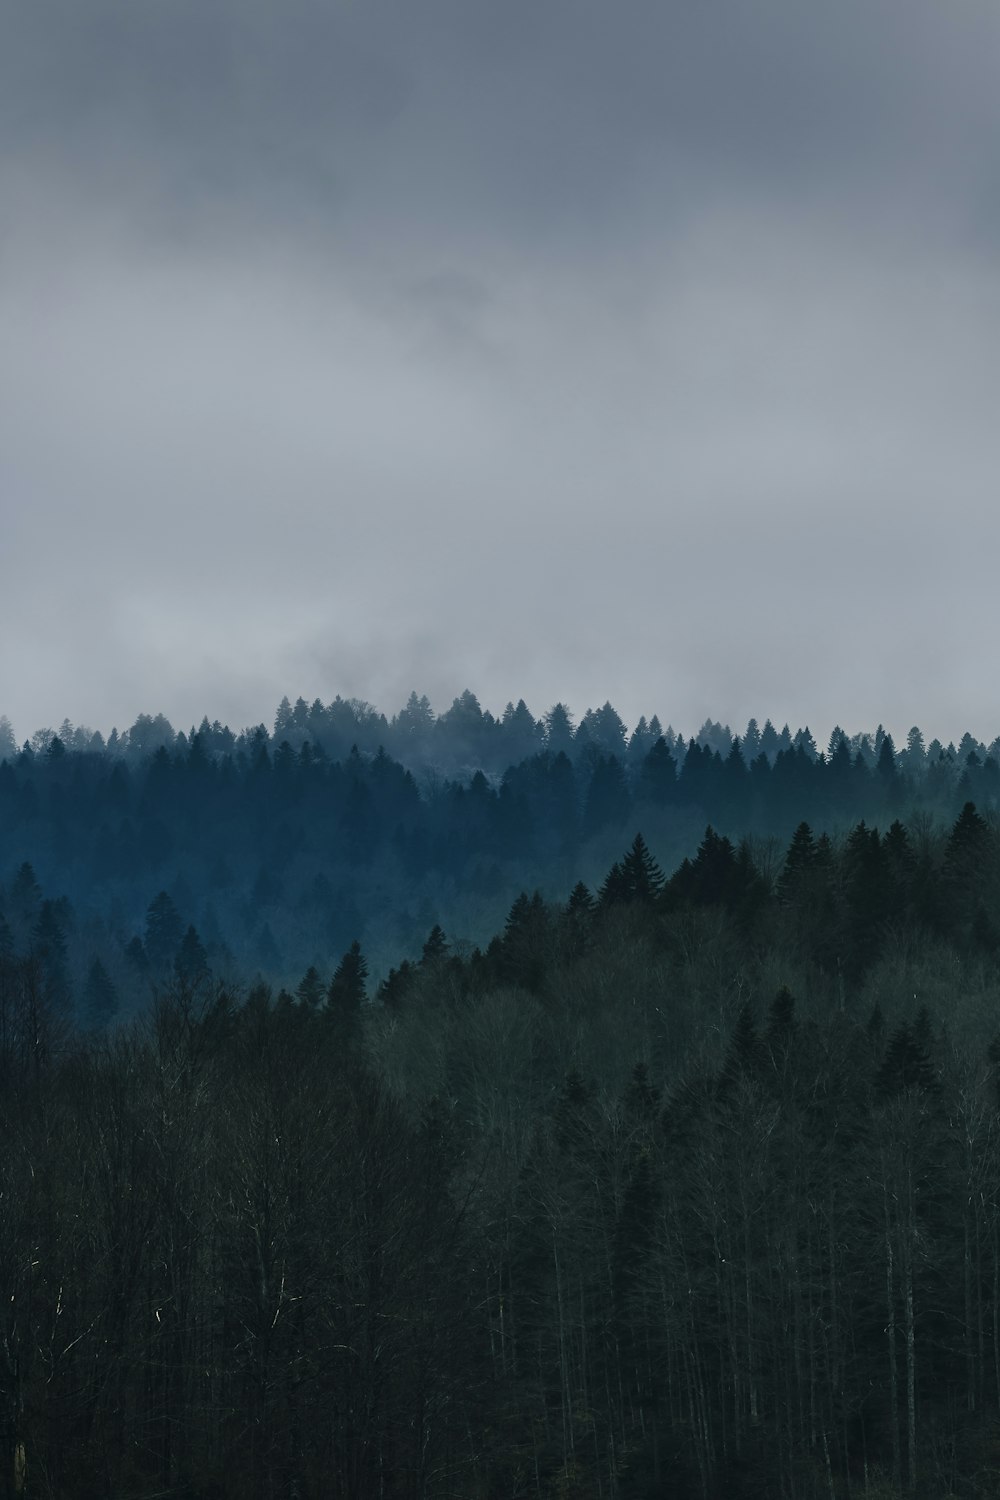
{"points": [[557, 351]]}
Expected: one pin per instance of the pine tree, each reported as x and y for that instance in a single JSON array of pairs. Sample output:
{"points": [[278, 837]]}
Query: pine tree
{"points": [[25, 893], [800, 861], [607, 800], [163, 931], [658, 776], [614, 889], [49, 945], [642, 876], [435, 948], [906, 1065], [580, 902], [137, 956], [394, 990], [191, 960], [347, 993], [99, 1001], [744, 1055], [310, 989], [781, 1018]]}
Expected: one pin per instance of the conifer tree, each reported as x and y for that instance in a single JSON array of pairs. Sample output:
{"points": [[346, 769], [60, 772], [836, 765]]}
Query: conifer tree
{"points": [[99, 1001], [395, 988], [191, 960], [310, 989], [346, 993], [580, 902], [435, 948], [658, 776], [163, 931], [906, 1065], [642, 876]]}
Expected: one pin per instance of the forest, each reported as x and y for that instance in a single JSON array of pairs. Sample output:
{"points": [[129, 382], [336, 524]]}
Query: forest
{"points": [[680, 1179], [274, 852]]}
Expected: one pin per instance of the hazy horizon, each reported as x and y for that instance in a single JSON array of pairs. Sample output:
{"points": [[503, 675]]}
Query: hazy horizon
{"points": [[688, 729], [643, 354]]}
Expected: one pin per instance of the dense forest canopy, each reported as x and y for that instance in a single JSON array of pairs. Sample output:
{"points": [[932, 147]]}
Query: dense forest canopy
{"points": [[274, 851], [461, 1106], [683, 1185]]}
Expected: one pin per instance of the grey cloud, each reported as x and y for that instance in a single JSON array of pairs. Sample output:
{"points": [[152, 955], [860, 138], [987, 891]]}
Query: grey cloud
{"points": [[563, 349]]}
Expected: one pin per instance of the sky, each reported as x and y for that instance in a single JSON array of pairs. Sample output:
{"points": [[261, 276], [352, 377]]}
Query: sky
{"points": [[555, 349]]}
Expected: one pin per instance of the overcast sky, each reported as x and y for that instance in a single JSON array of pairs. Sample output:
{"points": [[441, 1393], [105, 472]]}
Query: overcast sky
{"points": [[552, 348]]}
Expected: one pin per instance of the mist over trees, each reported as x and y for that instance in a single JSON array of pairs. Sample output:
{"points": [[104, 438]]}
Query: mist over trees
{"points": [[279, 849], [503, 1108]]}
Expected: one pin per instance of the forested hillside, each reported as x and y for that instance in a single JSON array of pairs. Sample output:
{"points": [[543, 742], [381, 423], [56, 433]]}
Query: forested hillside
{"points": [[683, 1187], [273, 853]]}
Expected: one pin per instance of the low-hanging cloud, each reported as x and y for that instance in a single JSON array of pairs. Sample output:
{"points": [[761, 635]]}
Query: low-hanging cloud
{"points": [[559, 350]]}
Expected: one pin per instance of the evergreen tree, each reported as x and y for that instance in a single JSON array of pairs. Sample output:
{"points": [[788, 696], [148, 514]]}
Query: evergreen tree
{"points": [[99, 1001], [642, 876], [906, 1065], [191, 960], [346, 993], [559, 730], [137, 956], [800, 862], [608, 800], [164, 931], [581, 902], [781, 1018], [657, 784], [310, 989], [25, 893], [435, 948], [744, 1055], [394, 990]]}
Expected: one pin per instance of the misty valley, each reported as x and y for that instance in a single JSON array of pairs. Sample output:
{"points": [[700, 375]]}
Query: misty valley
{"points": [[468, 1106]]}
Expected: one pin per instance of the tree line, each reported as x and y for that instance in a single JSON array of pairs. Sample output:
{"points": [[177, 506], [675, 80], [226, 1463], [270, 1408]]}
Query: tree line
{"points": [[276, 855]]}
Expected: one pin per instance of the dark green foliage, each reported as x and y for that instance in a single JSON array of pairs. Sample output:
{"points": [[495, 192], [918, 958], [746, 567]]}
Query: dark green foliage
{"points": [[745, 1054], [906, 1065], [191, 961], [311, 989], [99, 1001], [658, 776], [458, 1241], [709, 878], [347, 993], [49, 946], [608, 800], [581, 902], [643, 878], [25, 892], [795, 880], [164, 931], [642, 1100], [435, 948], [454, 815], [636, 879], [136, 954], [781, 1019], [521, 953], [396, 987]]}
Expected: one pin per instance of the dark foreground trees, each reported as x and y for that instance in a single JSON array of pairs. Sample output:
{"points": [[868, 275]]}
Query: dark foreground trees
{"points": [[688, 1189], [229, 1265]]}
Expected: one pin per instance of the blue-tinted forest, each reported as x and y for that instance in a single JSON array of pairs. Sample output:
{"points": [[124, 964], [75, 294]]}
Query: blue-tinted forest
{"points": [[681, 1178], [281, 849]]}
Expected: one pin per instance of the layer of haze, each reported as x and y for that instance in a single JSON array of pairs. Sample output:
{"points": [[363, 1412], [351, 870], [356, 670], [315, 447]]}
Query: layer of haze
{"points": [[553, 348]]}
